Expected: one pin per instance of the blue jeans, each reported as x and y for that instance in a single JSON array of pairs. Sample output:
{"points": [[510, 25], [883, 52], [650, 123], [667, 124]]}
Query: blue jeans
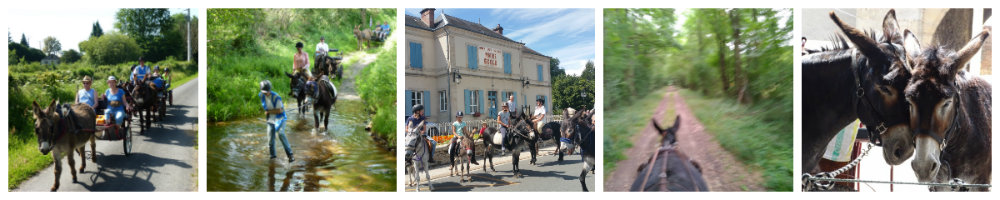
{"points": [[117, 113], [277, 127]]}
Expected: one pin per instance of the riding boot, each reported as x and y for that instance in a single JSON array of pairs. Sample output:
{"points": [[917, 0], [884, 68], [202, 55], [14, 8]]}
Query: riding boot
{"points": [[473, 156], [430, 149]]}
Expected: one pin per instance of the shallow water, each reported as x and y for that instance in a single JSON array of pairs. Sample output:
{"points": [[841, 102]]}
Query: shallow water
{"points": [[343, 158]]}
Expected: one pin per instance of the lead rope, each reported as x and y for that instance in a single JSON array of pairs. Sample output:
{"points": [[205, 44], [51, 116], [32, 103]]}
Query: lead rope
{"points": [[652, 161], [663, 175]]}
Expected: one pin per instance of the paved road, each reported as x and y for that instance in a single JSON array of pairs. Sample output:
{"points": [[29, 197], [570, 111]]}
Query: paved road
{"points": [[547, 176], [163, 159]]}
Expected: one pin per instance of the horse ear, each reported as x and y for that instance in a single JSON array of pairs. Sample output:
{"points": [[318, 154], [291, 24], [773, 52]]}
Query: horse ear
{"points": [[867, 45], [657, 126], [890, 28], [969, 50]]}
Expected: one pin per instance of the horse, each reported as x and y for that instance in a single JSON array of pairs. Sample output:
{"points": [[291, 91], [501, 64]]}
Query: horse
{"points": [[950, 113], [581, 132], [298, 90], [363, 36], [145, 100], [62, 129], [549, 131], [417, 154], [865, 81], [328, 65], [325, 96], [674, 170]]}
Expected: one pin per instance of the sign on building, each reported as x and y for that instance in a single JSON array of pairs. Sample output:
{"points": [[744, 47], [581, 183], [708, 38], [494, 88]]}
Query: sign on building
{"points": [[489, 57]]}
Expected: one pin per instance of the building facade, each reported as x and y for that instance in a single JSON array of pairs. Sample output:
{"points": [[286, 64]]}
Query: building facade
{"points": [[455, 65]]}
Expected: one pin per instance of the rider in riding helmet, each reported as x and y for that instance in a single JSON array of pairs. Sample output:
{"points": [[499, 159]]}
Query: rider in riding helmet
{"points": [[458, 135], [300, 62], [140, 72], [503, 118], [413, 121], [274, 110]]}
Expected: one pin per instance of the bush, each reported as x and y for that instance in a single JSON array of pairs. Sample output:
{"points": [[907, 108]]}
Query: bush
{"points": [[112, 48]]}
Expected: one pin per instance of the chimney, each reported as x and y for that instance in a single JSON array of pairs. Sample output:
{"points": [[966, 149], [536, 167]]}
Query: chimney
{"points": [[498, 29], [427, 15]]}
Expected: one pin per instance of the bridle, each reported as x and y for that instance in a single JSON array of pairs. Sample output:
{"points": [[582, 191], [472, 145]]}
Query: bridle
{"points": [[943, 140], [874, 136], [662, 177]]}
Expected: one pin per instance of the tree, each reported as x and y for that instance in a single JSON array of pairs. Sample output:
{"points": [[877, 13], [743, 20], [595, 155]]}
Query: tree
{"points": [[24, 41], [554, 69], [112, 48], [96, 31], [179, 29], [588, 71], [566, 93], [150, 27], [70, 56], [51, 45]]}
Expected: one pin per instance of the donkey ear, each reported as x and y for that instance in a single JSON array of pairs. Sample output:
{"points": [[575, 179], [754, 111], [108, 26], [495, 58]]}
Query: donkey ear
{"points": [[890, 28], [867, 45], [36, 109], [51, 106], [969, 50], [911, 46], [657, 126], [677, 122]]}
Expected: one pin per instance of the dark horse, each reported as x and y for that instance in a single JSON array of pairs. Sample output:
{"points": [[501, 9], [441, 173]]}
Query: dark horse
{"points": [[550, 131], [517, 139], [298, 90], [951, 114], [325, 97], [145, 100], [841, 84], [580, 131], [669, 169], [328, 65], [487, 136]]}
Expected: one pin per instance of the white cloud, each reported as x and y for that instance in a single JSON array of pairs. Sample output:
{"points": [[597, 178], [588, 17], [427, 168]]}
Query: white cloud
{"points": [[573, 58], [563, 24]]}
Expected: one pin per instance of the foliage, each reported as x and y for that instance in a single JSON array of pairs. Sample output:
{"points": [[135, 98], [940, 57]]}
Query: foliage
{"points": [[151, 29], [589, 71], [622, 123], [24, 52], [554, 69], [566, 93], [112, 48], [51, 45], [96, 30], [70, 56], [377, 87], [179, 29], [24, 41]]}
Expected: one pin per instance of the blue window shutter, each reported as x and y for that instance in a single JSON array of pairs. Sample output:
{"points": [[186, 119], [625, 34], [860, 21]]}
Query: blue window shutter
{"points": [[515, 99], [506, 63], [427, 103], [481, 104], [467, 100], [416, 55], [473, 61], [409, 104], [540, 73]]}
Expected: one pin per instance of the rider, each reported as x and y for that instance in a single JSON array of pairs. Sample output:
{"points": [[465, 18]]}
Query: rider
{"points": [[86, 95], [116, 102], [458, 136], [140, 71], [321, 47], [539, 117], [275, 117], [415, 120], [300, 63], [503, 118], [512, 105], [385, 29], [166, 76], [157, 79]]}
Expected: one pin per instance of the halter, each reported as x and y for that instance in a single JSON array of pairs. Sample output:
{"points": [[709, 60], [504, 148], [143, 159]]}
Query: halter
{"points": [[876, 136], [943, 141]]}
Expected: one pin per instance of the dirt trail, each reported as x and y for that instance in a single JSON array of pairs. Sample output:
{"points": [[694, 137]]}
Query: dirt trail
{"points": [[346, 88], [721, 170]]}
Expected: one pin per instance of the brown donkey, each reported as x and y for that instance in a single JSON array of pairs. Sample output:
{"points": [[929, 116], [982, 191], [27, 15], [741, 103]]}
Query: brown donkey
{"points": [[363, 36], [62, 129], [950, 114]]}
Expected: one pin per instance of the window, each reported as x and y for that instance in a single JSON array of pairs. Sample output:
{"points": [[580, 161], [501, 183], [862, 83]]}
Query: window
{"points": [[540, 73], [416, 55], [444, 100], [417, 98], [474, 101]]}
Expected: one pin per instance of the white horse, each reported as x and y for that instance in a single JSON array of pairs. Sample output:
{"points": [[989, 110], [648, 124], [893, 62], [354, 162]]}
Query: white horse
{"points": [[418, 155]]}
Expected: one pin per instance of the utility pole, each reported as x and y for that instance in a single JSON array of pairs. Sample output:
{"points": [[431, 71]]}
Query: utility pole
{"points": [[189, 35]]}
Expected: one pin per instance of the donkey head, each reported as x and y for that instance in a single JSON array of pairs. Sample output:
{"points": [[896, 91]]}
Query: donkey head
{"points": [[46, 122], [882, 72], [670, 133], [933, 97]]}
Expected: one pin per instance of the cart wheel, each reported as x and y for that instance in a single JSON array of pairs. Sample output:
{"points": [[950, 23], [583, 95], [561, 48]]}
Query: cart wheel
{"points": [[170, 95], [127, 142]]}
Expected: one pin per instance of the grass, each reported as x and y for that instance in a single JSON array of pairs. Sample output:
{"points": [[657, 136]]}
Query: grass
{"points": [[622, 123], [33, 82], [759, 135], [182, 81]]}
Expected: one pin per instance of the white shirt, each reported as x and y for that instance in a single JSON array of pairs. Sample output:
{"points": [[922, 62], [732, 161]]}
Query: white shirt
{"points": [[540, 110], [322, 48]]}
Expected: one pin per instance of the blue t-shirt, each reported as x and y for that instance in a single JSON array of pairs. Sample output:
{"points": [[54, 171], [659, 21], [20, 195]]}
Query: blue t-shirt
{"points": [[458, 127], [86, 96], [120, 97], [411, 121], [140, 72], [159, 82], [270, 103]]}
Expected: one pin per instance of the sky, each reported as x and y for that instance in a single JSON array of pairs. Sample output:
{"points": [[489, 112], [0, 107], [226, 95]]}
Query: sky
{"points": [[68, 25], [566, 34]]}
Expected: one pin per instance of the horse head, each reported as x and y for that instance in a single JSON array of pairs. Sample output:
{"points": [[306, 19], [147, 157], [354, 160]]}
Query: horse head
{"points": [[881, 73], [46, 125], [933, 95], [669, 134], [414, 140]]}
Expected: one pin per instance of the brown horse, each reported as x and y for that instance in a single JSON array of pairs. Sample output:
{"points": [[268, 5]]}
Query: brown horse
{"points": [[950, 113], [669, 169], [363, 36], [62, 129]]}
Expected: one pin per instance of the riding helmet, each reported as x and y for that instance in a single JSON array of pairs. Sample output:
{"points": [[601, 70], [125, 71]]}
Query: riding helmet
{"points": [[298, 45], [418, 107], [460, 114], [265, 85]]}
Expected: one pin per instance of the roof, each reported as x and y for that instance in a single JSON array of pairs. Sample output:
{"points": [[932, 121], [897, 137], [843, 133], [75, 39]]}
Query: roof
{"points": [[448, 20]]}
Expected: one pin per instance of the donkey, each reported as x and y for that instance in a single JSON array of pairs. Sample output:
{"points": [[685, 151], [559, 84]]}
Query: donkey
{"points": [[145, 100], [298, 90], [841, 84], [669, 169], [488, 136], [62, 129], [417, 155], [325, 96], [518, 139], [581, 132], [328, 65], [363, 36], [461, 153], [950, 113], [549, 131]]}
